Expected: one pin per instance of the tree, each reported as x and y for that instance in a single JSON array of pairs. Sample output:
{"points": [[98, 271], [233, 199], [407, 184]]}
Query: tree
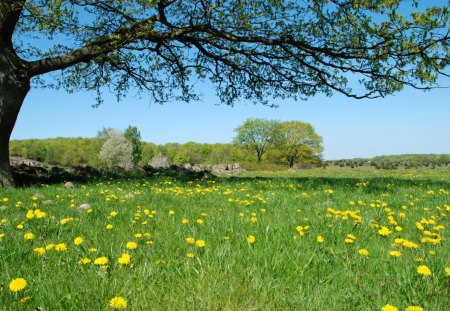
{"points": [[297, 140], [256, 134], [134, 136], [117, 151], [104, 133], [247, 49]]}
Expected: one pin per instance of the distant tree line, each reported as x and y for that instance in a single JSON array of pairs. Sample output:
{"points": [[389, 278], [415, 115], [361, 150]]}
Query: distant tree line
{"points": [[396, 161], [276, 144]]}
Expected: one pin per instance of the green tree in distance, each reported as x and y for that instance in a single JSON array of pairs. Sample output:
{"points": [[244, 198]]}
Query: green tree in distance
{"points": [[297, 140], [134, 136], [256, 134], [247, 49]]}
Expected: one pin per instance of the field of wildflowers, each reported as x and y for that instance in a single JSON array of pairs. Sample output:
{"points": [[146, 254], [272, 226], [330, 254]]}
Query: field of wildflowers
{"points": [[309, 240]]}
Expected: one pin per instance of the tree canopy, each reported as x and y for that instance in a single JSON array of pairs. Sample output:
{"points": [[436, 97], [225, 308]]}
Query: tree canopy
{"points": [[256, 134], [246, 48], [297, 140]]}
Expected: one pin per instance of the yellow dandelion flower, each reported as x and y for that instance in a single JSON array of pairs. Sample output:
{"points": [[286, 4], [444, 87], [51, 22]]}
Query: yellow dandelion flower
{"points": [[61, 247], [19, 226], [384, 231], [320, 239], [50, 247], [101, 261], [78, 240], [447, 271], [389, 307], [190, 255], [84, 261], [226, 238], [395, 253], [17, 284], [251, 239], [414, 308], [28, 236], [190, 240], [185, 221], [363, 252], [200, 243], [171, 212], [424, 270], [109, 226], [118, 303], [92, 250], [131, 245], [199, 221], [39, 250], [125, 259]]}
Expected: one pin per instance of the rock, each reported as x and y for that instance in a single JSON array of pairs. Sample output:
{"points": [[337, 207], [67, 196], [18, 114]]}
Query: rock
{"points": [[84, 207], [48, 202], [69, 185]]}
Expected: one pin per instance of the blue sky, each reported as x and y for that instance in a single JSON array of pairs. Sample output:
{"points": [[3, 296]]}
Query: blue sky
{"points": [[410, 122]]}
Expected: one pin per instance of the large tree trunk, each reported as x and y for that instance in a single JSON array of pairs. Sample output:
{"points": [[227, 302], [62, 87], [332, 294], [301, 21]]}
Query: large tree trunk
{"points": [[14, 86]]}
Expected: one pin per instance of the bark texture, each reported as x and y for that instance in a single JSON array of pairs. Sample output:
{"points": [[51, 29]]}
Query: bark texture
{"points": [[14, 85]]}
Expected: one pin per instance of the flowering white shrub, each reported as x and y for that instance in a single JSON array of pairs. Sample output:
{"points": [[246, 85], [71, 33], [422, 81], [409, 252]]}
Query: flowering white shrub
{"points": [[117, 151], [159, 161]]}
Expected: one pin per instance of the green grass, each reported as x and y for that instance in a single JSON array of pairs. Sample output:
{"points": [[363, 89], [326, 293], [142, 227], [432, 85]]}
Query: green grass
{"points": [[282, 270]]}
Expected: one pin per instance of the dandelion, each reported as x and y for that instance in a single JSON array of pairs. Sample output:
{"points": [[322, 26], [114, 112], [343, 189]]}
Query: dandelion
{"points": [[171, 212], [190, 255], [118, 303], [363, 252], [92, 250], [389, 307], [226, 238], [384, 231], [414, 308], [17, 285], [39, 250], [125, 259], [28, 236], [78, 240], [251, 239], [320, 239], [109, 226], [131, 245], [190, 240], [101, 261], [447, 271], [395, 253], [424, 270], [199, 221], [200, 243], [84, 261], [61, 247], [185, 221]]}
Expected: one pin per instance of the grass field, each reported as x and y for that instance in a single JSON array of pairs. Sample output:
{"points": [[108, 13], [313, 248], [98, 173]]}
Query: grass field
{"points": [[305, 240]]}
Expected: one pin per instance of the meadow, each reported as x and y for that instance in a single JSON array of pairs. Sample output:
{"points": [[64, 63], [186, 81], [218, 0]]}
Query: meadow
{"points": [[322, 239]]}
